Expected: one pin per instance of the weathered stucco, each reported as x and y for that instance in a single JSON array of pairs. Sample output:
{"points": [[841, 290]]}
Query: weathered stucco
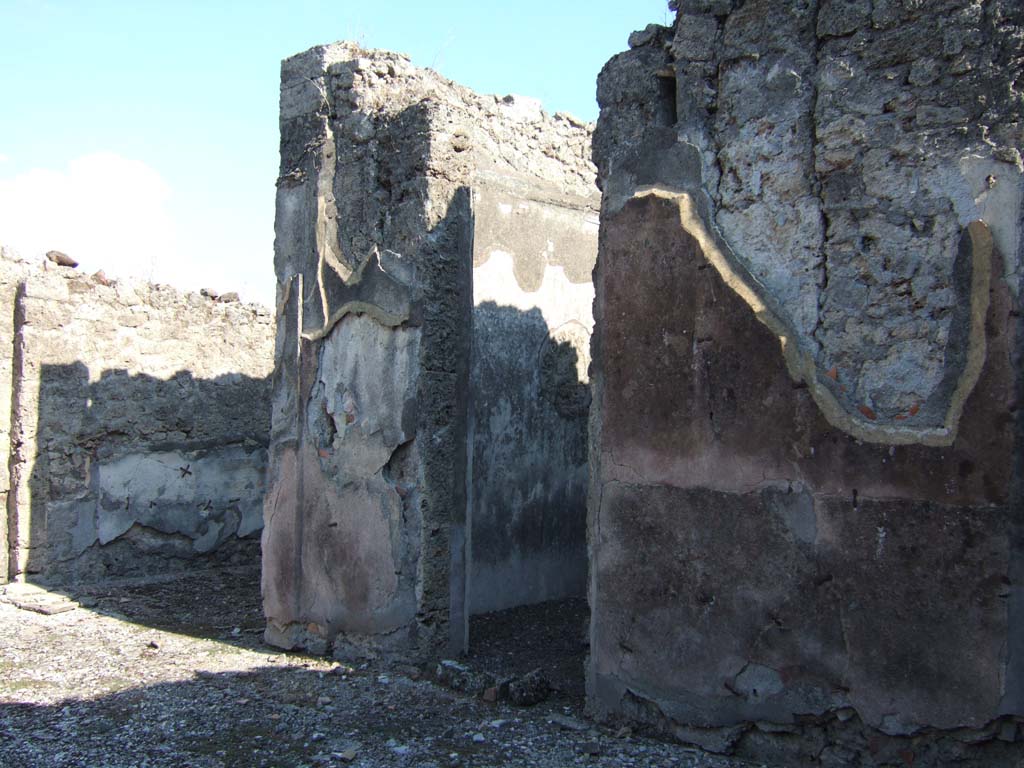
{"points": [[529, 397], [139, 419], [804, 518], [368, 367], [389, 205]]}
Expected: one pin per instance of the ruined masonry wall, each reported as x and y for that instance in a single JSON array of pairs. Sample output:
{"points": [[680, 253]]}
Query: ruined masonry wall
{"points": [[139, 428], [11, 273], [529, 399], [386, 173], [805, 512], [843, 148]]}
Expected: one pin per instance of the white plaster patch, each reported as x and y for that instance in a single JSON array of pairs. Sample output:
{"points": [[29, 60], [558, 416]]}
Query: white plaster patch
{"points": [[993, 191], [559, 299], [180, 492], [367, 373]]}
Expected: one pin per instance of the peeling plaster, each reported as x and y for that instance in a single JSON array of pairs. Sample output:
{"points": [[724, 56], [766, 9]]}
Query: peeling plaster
{"points": [[802, 365]]}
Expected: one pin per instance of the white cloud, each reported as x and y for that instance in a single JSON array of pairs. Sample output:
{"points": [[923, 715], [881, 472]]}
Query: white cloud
{"points": [[117, 214], [106, 211], [4, 158]]}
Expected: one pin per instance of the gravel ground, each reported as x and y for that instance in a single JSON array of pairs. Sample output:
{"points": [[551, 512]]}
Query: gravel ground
{"points": [[175, 674]]}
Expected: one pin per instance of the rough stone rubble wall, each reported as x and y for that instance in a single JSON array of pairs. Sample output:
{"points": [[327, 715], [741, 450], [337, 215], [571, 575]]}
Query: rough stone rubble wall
{"points": [[11, 272], [382, 165], [139, 424], [805, 516]]}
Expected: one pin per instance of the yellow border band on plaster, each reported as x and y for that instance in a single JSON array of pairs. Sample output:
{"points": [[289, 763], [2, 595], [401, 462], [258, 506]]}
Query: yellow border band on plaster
{"points": [[355, 308], [981, 280], [327, 215], [801, 365]]}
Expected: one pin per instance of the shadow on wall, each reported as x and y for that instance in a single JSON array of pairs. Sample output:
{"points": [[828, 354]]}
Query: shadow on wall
{"points": [[528, 434], [131, 475]]}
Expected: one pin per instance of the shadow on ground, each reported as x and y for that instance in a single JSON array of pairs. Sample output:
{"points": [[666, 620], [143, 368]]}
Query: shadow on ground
{"points": [[156, 675]]}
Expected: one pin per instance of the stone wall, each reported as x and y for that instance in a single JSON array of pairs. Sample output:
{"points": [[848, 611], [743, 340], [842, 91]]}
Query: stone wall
{"points": [[383, 169], [11, 273], [138, 428], [805, 515]]}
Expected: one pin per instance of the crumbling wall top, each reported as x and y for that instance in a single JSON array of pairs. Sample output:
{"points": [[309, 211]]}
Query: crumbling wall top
{"points": [[361, 86]]}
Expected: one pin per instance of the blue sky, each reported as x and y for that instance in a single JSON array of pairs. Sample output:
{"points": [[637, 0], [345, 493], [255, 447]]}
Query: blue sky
{"points": [[141, 137]]}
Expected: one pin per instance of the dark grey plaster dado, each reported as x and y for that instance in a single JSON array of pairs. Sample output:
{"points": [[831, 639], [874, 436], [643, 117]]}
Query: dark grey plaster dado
{"points": [[528, 482]]}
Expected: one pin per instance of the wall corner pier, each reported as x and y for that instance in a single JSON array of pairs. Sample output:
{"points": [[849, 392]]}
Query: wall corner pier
{"points": [[805, 521], [421, 232]]}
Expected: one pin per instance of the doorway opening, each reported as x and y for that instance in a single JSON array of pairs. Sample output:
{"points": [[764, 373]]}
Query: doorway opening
{"points": [[528, 406]]}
